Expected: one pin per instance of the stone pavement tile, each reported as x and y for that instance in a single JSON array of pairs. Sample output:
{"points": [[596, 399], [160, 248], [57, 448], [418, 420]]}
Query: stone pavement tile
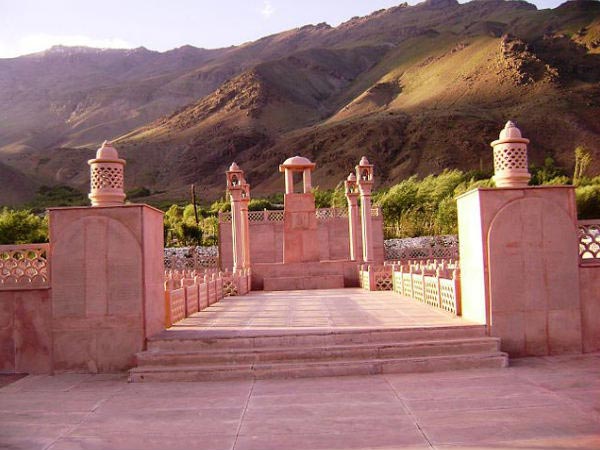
{"points": [[237, 388], [581, 442], [291, 410], [53, 402], [407, 438], [26, 442], [30, 430], [223, 421], [266, 425], [473, 388], [318, 398], [499, 425], [466, 403], [583, 397], [348, 385], [558, 379], [139, 440], [132, 401], [36, 383]]}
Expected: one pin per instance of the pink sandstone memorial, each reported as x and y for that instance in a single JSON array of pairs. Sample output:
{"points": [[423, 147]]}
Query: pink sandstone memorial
{"points": [[97, 298]]}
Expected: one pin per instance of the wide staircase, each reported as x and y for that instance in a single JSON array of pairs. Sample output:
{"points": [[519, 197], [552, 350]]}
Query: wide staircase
{"points": [[206, 355]]}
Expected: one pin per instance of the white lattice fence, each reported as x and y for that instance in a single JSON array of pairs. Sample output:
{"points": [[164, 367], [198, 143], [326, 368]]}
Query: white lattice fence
{"points": [[24, 267], [418, 288], [434, 283], [450, 295], [407, 284], [432, 292]]}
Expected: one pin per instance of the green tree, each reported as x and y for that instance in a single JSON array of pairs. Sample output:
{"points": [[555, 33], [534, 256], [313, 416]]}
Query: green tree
{"points": [[583, 159], [22, 227]]}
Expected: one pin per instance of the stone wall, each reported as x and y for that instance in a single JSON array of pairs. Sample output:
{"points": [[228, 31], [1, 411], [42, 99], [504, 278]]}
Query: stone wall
{"points": [[25, 331], [266, 240], [589, 290], [520, 268]]}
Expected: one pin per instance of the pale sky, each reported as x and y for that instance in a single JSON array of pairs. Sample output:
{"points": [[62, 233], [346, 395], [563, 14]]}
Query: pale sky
{"points": [[28, 26]]}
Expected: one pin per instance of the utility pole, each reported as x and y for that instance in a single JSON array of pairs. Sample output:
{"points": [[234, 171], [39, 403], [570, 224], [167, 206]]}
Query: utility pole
{"points": [[193, 191]]}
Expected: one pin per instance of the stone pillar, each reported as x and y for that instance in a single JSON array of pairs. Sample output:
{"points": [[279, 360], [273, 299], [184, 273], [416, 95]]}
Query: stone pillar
{"points": [[306, 181], [235, 180], [364, 175], [519, 261], [107, 177], [107, 275], [353, 218], [300, 234], [510, 158], [246, 226], [289, 181]]}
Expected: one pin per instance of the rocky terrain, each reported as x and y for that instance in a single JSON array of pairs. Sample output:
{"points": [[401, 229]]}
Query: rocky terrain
{"points": [[415, 88]]}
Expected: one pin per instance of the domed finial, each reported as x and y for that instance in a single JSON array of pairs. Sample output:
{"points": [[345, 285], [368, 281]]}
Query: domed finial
{"points": [[107, 177], [351, 177], [364, 161], [510, 131], [510, 158], [233, 167]]}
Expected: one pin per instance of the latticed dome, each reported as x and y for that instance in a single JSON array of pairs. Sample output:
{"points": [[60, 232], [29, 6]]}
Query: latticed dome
{"points": [[510, 131], [107, 151], [510, 158]]}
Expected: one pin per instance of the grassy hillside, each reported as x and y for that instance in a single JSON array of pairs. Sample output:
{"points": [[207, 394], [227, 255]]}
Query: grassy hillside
{"points": [[417, 89]]}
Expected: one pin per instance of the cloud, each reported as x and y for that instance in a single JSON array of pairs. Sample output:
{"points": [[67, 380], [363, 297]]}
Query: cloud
{"points": [[267, 11], [38, 42]]}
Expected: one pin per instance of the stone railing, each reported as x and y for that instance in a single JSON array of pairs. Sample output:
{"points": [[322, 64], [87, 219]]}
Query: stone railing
{"points": [[375, 277], [421, 248], [24, 267], [324, 214], [589, 241], [188, 292], [277, 215], [435, 283], [191, 258]]}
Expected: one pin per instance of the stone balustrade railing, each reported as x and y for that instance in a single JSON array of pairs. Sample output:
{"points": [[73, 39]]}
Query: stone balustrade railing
{"points": [[375, 277], [589, 241], [24, 267], [277, 215], [188, 292], [435, 283]]}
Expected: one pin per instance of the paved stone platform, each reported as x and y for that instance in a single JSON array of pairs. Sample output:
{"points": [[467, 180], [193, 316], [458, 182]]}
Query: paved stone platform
{"points": [[538, 403], [331, 309]]}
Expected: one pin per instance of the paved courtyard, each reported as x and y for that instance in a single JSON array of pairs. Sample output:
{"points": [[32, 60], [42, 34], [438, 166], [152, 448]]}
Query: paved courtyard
{"points": [[331, 309], [537, 403]]}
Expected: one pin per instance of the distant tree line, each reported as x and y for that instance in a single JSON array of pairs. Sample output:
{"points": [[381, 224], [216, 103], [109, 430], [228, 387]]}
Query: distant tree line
{"points": [[413, 207]]}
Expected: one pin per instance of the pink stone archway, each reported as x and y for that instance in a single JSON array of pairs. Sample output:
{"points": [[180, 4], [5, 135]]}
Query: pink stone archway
{"points": [[533, 272]]}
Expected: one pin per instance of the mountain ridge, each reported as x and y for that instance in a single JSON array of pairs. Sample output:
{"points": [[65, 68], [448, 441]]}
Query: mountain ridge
{"points": [[416, 88]]}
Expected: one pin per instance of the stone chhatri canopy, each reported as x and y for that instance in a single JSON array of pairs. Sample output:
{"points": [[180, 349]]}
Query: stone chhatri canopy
{"points": [[297, 163]]}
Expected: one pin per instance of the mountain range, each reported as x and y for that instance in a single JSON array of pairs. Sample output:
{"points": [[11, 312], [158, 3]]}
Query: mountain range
{"points": [[416, 89]]}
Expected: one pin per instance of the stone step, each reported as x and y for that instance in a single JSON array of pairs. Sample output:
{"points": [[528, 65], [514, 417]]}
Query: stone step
{"points": [[206, 339], [214, 372], [287, 283], [369, 351]]}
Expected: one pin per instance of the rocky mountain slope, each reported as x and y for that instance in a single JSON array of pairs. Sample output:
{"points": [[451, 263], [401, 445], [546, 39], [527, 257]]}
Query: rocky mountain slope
{"points": [[416, 88]]}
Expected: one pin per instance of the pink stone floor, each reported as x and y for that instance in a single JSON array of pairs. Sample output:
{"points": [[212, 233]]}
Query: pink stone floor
{"points": [[323, 309], [537, 403]]}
